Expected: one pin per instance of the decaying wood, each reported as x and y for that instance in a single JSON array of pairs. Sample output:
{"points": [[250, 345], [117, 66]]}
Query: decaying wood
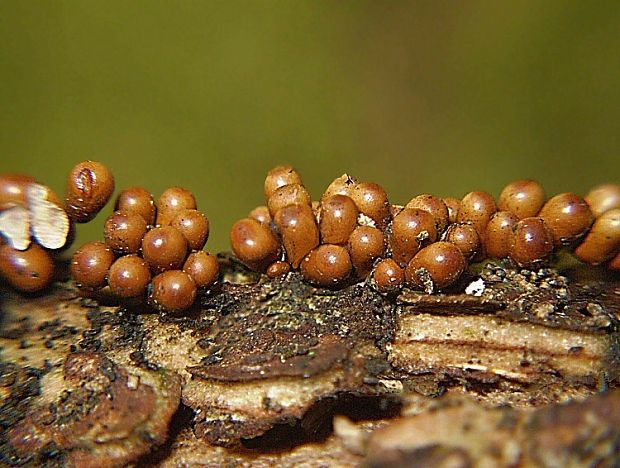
{"points": [[459, 433], [84, 381]]}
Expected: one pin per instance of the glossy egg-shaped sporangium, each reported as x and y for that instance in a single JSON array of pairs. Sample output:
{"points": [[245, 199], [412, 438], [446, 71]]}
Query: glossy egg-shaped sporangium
{"points": [[531, 242], [476, 209], [465, 237], [203, 268], [279, 177], [137, 200], [522, 198], [372, 201], [338, 219], [567, 216], [498, 234], [603, 240], [164, 248], [30, 270], [603, 198], [123, 232], [194, 226], [435, 206], [90, 265], [172, 291], [435, 267], [300, 233], [366, 244], [173, 201], [412, 229], [129, 276], [327, 265], [254, 244], [89, 187], [388, 276]]}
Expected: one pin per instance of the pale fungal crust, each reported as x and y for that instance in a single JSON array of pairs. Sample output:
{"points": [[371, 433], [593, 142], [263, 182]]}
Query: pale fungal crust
{"points": [[15, 227], [42, 219], [49, 222]]}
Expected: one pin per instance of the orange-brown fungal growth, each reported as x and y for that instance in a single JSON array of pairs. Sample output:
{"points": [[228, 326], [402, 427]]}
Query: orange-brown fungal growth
{"points": [[567, 216], [129, 276], [90, 265], [498, 234], [254, 244], [300, 233], [435, 206], [327, 265], [29, 270], [338, 219], [89, 187], [173, 201], [603, 240], [531, 242], [430, 241], [343, 185], [522, 198], [150, 240], [164, 248], [33, 225], [137, 200], [294, 194], [366, 245], [203, 268], [13, 189], [435, 267], [465, 237], [172, 291], [453, 205], [388, 276], [476, 209], [373, 202], [279, 177], [412, 229], [260, 214], [277, 269], [123, 232], [194, 226], [603, 198]]}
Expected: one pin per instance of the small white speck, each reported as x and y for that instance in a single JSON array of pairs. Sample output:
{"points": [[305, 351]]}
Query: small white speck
{"points": [[133, 381], [364, 220], [475, 288]]}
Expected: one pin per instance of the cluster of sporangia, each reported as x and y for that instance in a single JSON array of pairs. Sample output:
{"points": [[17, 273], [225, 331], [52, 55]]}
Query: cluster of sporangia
{"points": [[147, 247], [354, 233], [150, 249]]}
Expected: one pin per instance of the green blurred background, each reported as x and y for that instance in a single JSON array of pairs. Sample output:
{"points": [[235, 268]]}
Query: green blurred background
{"points": [[433, 96]]}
